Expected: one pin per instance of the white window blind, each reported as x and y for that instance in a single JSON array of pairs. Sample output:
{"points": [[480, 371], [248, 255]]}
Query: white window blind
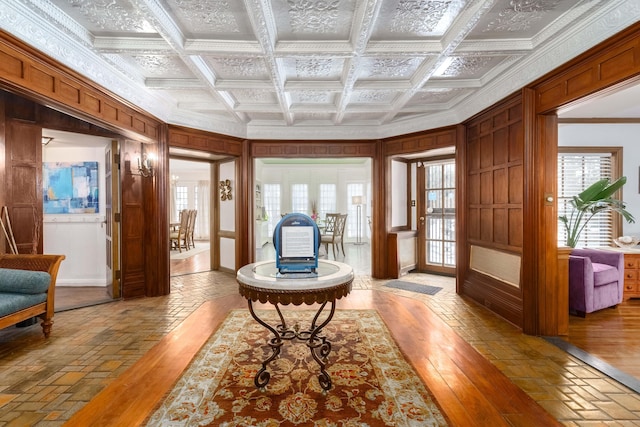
{"points": [[575, 173]]}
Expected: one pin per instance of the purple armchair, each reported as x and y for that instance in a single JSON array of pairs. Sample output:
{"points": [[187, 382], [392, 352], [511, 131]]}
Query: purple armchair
{"points": [[596, 280]]}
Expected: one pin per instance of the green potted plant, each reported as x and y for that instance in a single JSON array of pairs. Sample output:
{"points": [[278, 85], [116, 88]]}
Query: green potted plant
{"points": [[595, 199]]}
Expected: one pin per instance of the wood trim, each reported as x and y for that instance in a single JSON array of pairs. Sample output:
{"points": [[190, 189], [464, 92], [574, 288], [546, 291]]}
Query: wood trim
{"points": [[422, 141], [611, 62], [312, 149], [30, 72], [204, 141], [599, 120], [379, 213], [562, 295], [462, 246]]}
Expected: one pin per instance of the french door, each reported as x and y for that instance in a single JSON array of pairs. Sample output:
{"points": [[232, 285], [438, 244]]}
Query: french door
{"points": [[437, 216]]}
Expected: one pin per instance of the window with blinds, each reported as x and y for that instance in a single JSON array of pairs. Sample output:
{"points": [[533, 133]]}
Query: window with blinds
{"points": [[577, 171]]}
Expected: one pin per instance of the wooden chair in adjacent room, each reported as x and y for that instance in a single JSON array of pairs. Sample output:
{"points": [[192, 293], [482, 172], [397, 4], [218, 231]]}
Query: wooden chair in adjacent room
{"points": [[178, 238], [334, 232], [192, 225]]}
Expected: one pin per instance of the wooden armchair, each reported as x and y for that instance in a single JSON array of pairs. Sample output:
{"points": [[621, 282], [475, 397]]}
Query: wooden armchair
{"points": [[31, 304]]}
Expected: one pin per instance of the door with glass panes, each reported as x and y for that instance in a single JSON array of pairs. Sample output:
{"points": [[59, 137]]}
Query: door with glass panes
{"points": [[437, 216]]}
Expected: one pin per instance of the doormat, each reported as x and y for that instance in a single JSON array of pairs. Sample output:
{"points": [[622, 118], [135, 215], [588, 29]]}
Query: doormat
{"points": [[413, 287]]}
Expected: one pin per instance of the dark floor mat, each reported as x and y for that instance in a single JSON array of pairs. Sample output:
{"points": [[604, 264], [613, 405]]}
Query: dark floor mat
{"points": [[413, 287]]}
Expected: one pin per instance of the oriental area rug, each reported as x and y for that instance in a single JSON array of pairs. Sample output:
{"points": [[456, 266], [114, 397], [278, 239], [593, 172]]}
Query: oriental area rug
{"points": [[372, 383]]}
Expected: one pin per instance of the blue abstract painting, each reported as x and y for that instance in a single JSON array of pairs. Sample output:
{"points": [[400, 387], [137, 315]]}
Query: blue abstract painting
{"points": [[70, 188]]}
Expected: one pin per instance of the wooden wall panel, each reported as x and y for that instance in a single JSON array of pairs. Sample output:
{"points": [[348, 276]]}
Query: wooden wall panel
{"points": [[23, 157], [604, 66], [204, 141], [27, 70], [494, 207], [313, 149], [421, 141], [132, 225]]}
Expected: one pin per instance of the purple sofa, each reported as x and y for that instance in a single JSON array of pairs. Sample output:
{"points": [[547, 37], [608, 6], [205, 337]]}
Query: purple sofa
{"points": [[596, 280]]}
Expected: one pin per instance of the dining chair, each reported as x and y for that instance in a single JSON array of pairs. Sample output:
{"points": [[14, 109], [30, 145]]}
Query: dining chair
{"points": [[334, 232], [191, 228], [178, 238]]}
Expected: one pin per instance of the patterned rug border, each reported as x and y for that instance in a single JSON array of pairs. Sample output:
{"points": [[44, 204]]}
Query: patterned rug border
{"points": [[237, 319]]}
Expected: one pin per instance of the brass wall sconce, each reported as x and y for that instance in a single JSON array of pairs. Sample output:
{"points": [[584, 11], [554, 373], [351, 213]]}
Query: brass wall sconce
{"points": [[145, 167]]}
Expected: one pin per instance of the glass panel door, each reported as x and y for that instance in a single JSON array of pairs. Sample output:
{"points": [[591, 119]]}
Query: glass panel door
{"points": [[437, 224]]}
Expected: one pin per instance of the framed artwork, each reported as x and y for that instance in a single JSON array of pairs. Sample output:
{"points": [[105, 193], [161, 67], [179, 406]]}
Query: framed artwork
{"points": [[70, 187]]}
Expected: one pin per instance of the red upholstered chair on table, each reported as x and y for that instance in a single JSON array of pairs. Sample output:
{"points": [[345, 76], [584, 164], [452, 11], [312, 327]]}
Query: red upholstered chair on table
{"points": [[596, 280]]}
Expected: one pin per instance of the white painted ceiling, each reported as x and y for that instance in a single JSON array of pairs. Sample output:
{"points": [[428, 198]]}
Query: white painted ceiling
{"points": [[314, 69]]}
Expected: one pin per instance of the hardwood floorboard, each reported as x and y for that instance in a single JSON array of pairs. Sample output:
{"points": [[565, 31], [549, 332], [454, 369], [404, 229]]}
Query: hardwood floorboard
{"points": [[612, 335], [469, 389], [155, 374]]}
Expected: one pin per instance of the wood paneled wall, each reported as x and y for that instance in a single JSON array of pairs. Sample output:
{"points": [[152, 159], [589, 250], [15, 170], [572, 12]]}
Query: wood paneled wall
{"points": [[84, 107], [615, 61], [26, 70], [208, 142], [493, 214], [420, 141], [23, 179]]}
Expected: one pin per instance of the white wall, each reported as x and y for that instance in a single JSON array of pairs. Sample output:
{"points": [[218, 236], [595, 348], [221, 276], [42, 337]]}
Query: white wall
{"points": [[80, 237], [399, 199], [617, 135]]}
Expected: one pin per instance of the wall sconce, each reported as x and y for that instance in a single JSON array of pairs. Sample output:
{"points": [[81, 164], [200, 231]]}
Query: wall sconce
{"points": [[145, 167], [174, 179]]}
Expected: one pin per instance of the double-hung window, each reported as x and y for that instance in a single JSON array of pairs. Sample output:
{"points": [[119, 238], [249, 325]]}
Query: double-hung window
{"points": [[578, 168]]}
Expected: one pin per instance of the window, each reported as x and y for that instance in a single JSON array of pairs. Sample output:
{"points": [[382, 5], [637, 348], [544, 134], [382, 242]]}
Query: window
{"points": [[327, 202], [578, 168], [300, 198], [271, 199], [182, 199]]}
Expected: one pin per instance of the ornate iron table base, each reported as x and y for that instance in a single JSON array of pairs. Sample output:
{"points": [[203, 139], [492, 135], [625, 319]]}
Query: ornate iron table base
{"points": [[318, 345]]}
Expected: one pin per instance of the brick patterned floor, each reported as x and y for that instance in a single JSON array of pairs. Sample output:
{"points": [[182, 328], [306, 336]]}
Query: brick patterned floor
{"points": [[43, 382]]}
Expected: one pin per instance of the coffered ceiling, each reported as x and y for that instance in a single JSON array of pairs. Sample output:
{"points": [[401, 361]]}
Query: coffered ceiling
{"points": [[314, 69]]}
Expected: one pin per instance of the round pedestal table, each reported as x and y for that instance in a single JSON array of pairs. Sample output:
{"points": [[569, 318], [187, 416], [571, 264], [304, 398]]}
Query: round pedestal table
{"points": [[261, 282]]}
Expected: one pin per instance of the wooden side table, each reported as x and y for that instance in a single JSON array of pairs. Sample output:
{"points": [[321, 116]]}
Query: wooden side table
{"points": [[631, 271], [260, 282], [631, 275]]}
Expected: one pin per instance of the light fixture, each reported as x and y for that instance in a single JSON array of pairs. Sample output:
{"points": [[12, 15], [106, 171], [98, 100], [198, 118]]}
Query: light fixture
{"points": [[357, 200], [145, 166], [174, 179], [46, 140]]}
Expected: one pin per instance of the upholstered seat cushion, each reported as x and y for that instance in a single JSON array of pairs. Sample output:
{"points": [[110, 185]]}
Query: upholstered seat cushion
{"points": [[24, 281], [604, 274], [11, 303]]}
